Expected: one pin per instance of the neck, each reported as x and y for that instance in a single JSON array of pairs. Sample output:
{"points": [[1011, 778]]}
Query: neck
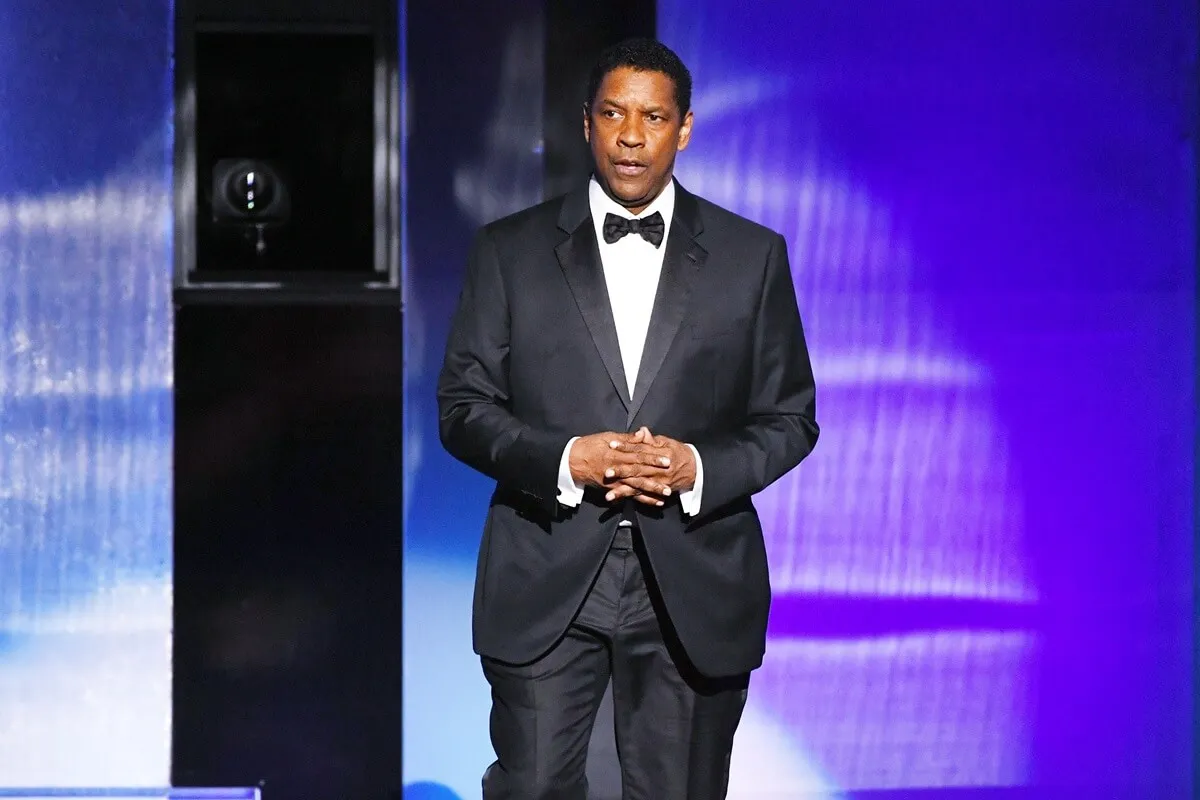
{"points": [[637, 206]]}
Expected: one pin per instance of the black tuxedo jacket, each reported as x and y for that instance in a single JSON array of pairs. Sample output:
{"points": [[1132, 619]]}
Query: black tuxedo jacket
{"points": [[532, 360]]}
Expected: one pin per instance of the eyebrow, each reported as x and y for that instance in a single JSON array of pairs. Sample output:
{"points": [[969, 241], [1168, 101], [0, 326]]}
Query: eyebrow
{"points": [[654, 109]]}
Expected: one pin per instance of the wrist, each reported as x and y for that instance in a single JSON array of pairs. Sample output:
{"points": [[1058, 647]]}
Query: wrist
{"points": [[573, 465], [692, 469]]}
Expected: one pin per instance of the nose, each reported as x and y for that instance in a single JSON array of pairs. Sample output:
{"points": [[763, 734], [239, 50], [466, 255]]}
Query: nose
{"points": [[631, 133]]}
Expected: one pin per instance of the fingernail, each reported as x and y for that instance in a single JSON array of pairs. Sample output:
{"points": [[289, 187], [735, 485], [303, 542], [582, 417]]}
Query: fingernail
{"points": [[666, 462], [614, 444], [608, 473], [659, 503], [609, 497], [667, 493]]}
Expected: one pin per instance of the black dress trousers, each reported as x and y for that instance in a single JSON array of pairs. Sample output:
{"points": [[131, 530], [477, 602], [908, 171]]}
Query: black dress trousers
{"points": [[674, 727]]}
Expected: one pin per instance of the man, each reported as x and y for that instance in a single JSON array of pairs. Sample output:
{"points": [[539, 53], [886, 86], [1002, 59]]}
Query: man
{"points": [[627, 362]]}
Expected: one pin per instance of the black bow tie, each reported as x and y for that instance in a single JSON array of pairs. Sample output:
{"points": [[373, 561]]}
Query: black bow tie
{"points": [[652, 228]]}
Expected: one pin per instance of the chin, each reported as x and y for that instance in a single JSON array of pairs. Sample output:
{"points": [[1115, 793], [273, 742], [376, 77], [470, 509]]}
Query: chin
{"points": [[630, 193], [634, 198]]}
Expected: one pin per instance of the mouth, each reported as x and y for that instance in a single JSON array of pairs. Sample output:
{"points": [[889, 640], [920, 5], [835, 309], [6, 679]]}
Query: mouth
{"points": [[629, 168]]}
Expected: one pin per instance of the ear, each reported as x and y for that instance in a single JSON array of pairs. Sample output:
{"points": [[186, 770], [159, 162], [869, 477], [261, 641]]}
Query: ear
{"points": [[587, 124], [685, 131]]}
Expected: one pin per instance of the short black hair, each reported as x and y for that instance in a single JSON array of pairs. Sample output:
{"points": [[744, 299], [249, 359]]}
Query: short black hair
{"points": [[643, 55]]}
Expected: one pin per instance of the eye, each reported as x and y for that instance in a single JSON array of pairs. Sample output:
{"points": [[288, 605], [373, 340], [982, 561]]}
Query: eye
{"points": [[610, 113], [655, 118]]}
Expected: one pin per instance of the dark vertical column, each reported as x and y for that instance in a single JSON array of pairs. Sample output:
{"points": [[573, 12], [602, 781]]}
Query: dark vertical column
{"points": [[288, 485], [288, 474], [576, 32]]}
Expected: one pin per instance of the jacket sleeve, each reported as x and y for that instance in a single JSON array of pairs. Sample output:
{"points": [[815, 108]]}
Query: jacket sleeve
{"points": [[476, 424], [780, 427]]}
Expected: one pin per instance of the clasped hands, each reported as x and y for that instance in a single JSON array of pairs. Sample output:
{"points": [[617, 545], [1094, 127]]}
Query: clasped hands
{"points": [[640, 465]]}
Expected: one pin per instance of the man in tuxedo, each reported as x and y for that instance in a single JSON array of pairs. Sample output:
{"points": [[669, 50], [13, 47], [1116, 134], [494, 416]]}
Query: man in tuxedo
{"points": [[627, 362]]}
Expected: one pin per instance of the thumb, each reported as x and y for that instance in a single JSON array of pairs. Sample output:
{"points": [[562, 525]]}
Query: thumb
{"points": [[657, 441]]}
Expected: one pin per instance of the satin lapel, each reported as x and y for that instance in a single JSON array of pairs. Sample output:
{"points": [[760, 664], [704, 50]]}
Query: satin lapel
{"points": [[579, 257], [681, 263]]}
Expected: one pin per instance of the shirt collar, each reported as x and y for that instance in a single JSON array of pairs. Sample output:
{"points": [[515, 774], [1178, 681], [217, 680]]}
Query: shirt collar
{"points": [[602, 204]]}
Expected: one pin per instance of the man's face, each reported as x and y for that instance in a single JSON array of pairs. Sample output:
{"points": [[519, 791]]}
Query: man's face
{"points": [[635, 129]]}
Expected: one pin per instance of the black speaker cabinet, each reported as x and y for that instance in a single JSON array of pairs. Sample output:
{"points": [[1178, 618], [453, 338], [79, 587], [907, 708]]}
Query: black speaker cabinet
{"points": [[287, 152]]}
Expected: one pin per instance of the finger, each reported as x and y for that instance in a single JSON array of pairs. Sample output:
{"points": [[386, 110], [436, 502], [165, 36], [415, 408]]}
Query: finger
{"points": [[641, 436], [657, 441], [621, 472], [624, 491], [649, 468], [643, 449], [620, 492], [650, 439], [624, 440], [652, 458], [658, 459], [640, 483], [654, 486]]}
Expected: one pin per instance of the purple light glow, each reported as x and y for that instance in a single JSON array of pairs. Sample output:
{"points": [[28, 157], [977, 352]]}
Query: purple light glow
{"points": [[983, 576]]}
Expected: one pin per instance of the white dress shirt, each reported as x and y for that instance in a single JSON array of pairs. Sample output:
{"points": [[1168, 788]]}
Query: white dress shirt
{"points": [[632, 267]]}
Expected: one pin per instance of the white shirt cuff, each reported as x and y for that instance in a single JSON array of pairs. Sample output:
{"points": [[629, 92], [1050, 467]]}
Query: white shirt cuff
{"points": [[689, 501], [570, 493]]}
